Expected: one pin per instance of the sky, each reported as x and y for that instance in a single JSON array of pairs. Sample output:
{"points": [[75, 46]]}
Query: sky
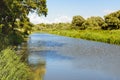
{"points": [[64, 10]]}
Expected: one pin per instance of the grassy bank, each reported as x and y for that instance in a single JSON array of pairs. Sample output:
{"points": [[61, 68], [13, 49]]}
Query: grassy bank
{"points": [[11, 66], [107, 36]]}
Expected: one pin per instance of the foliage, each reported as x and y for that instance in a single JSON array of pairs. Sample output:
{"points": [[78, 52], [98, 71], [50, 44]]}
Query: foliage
{"points": [[4, 42], [14, 10], [93, 23], [15, 38], [77, 22], [54, 26], [14, 22], [113, 20], [95, 28], [107, 36], [12, 39], [11, 67], [24, 26], [110, 21]]}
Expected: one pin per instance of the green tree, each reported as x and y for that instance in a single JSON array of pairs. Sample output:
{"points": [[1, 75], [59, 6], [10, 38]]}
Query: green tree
{"points": [[94, 22], [14, 21], [113, 20], [13, 10], [77, 21]]}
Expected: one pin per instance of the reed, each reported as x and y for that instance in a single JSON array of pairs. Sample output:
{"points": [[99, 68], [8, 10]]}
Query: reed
{"points": [[11, 67]]}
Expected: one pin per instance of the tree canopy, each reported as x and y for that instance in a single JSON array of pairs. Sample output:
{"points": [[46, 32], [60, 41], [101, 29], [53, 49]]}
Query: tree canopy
{"points": [[110, 21], [113, 20], [78, 21], [94, 22], [14, 21], [17, 10]]}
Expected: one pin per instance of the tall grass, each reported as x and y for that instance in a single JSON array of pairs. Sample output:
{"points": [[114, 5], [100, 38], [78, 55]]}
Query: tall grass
{"points": [[11, 67], [107, 36]]}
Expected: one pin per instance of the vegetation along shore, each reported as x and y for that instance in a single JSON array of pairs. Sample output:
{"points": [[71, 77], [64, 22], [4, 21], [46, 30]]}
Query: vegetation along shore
{"points": [[105, 29]]}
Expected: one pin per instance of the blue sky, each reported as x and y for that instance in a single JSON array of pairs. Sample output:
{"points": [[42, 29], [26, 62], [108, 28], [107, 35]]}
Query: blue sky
{"points": [[64, 10]]}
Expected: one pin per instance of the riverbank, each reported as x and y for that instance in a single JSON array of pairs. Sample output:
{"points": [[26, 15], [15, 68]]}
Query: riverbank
{"points": [[12, 61], [12, 67], [107, 36]]}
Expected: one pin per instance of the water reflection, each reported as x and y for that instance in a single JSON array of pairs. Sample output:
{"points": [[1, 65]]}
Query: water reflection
{"points": [[37, 65], [54, 57], [39, 71], [36, 62], [40, 51]]}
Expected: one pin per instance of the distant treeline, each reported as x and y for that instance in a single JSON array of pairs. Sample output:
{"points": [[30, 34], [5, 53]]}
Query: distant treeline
{"points": [[100, 29], [109, 22]]}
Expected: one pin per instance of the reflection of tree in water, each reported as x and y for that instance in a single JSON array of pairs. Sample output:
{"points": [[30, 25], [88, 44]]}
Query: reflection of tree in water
{"points": [[38, 70]]}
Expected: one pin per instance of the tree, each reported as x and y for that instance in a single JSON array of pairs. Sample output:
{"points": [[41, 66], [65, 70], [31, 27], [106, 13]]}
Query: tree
{"points": [[93, 23], [13, 10], [77, 21], [14, 21], [113, 20]]}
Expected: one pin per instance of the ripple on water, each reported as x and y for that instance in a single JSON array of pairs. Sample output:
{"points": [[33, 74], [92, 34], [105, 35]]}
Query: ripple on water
{"points": [[74, 59]]}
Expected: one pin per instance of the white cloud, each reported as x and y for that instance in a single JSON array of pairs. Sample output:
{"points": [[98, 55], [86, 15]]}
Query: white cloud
{"points": [[62, 19], [36, 19], [107, 11]]}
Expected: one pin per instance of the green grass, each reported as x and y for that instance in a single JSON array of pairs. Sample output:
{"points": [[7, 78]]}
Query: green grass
{"points": [[107, 36], [11, 67]]}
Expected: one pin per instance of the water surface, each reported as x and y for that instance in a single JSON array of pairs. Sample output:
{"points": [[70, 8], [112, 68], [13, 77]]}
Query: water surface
{"points": [[55, 57]]}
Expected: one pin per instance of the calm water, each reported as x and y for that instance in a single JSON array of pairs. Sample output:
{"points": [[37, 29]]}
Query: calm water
{"points": [[62, 58]]}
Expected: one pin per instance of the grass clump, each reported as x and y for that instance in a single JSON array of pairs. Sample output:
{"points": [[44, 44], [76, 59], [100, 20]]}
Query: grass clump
{"points": [[11, 67]]}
